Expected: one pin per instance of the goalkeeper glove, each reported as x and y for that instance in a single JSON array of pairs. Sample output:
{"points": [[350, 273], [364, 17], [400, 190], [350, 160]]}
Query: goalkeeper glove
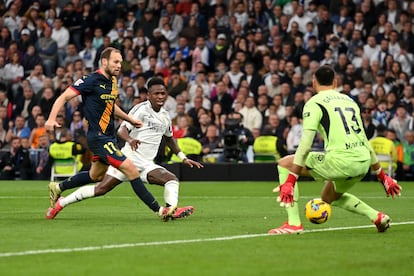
{"points": [[390, 185], [286, 191]]}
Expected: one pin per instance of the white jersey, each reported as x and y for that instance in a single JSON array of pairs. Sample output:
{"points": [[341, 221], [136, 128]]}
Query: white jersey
{"points": [[154, 126]]}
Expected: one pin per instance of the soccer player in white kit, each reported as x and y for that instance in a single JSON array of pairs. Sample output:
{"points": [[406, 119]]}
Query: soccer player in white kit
{"points": [[141, 147]]}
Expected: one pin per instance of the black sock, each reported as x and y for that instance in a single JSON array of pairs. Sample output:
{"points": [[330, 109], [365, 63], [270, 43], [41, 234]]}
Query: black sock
{"points": [[142, 192], [79, 179]]}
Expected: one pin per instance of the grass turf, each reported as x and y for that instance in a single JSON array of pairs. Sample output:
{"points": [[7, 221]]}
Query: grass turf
{"points": [[117, 234]]}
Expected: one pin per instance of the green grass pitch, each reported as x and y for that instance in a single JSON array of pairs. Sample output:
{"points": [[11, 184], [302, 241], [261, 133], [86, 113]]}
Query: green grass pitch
{"points": [[118, 235]]}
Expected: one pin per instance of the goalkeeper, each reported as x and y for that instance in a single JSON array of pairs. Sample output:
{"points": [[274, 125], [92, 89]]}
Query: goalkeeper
{"points": [[347, 158]]}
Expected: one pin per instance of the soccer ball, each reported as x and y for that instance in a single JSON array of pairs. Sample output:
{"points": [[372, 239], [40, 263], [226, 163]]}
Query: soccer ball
{"points": [[317, 211]]}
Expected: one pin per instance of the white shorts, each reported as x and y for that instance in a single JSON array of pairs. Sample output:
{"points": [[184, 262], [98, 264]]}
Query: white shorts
{"points": [[143, 170]]}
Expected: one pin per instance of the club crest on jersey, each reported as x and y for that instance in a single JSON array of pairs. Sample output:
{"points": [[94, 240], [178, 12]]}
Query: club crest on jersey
{"points": [[306, 114]]}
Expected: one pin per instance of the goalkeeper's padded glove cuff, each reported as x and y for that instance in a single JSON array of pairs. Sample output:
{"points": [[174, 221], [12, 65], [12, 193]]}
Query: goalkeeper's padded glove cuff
{"points": [[292, 177], [380, 174]]}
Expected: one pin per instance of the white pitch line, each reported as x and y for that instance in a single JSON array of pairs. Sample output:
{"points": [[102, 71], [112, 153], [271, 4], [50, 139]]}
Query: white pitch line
{"points": [[204, 197], [142, 244]]}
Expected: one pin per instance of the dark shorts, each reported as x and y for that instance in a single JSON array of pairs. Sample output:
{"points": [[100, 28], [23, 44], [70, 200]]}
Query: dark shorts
{"points": [[105, 149]]}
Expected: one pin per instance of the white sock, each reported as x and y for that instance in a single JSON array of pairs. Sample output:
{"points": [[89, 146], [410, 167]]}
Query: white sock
{"points": [[78, 195], [171, 192]]}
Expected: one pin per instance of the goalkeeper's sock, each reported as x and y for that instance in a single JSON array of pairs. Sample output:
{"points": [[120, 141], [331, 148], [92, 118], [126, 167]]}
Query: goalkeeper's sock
{"points": [[78, 195], [142, 192], [293, 211], [353, 204], [78, 180]]}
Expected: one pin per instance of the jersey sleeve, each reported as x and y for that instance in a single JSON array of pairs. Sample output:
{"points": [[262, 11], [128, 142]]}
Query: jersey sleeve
{"points": [[311, 116], [168, 131], [84, 85], [134, 113]]}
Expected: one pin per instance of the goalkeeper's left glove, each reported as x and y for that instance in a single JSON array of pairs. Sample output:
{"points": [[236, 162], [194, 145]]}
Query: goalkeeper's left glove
{"points": [[286, 191], [390, 184]]}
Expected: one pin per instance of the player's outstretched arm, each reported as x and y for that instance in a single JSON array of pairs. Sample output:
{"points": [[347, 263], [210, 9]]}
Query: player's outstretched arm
{"points": [[122, 115], [59, 103], [295, 167], [390, 184], [172, 144], [123, 133]]}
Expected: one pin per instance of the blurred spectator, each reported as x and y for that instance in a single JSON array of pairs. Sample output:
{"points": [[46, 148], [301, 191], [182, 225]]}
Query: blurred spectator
{"points": [[18, 128], [223, 97], [175, 85], [175, 20], [220, 50], [199, 82], [25, 104], [252, 76], [76, 123], [97, 40], [72, 20], [88, 54], [71, 54], [30, 60], [294, 134], [401, 123], [201, 56], [274, 126], [31, 121], [183, 127], [408, 149], [60, 34], [5, 102], [16, 163], [46, 100], [38, 131], [148, 22], [42, 170], [211, 142], [252, 118], [13, 73], [47, 49], [36, 78], [25, 40], [201, 20], [169, 33], [3, 134], [190, 32], [369, 123]]}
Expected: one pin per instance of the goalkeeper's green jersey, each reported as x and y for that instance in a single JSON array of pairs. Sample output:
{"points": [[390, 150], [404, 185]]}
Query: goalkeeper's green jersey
{"points": [[337, 118]]}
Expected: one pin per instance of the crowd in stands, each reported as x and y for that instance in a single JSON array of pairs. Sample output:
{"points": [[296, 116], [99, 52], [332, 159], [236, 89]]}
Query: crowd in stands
{"points": [[219, 59]]}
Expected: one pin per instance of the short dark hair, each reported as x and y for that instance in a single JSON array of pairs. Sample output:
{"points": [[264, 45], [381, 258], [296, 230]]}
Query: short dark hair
{"points": [[155, 81], [106, 53], [381, 129], [325, 75]]}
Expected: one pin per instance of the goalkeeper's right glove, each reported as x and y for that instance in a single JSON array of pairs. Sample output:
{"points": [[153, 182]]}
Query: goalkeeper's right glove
{"points": [[286, 191], [390, 184]]}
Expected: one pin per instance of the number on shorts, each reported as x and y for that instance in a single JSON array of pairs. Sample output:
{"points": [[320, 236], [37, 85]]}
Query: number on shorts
{"points": [[110, 147]]}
